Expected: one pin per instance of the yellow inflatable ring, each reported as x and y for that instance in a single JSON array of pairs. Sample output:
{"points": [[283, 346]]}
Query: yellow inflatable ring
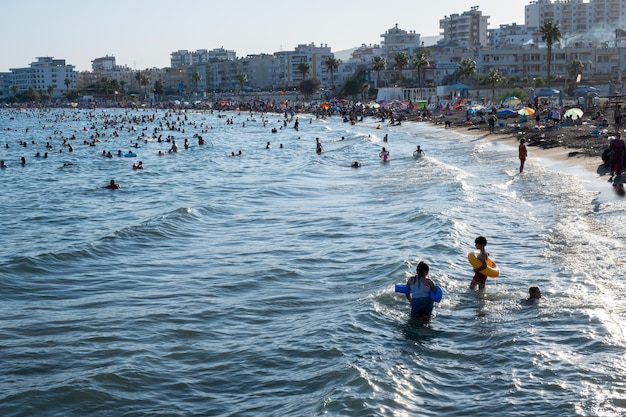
{"points": [[492, 270]]}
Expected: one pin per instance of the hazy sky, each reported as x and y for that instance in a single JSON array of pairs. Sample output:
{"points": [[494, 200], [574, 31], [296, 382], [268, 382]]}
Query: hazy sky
{"points": [[143, 33]]}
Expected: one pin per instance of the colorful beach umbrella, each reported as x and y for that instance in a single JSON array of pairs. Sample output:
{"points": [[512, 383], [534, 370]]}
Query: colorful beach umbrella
{"points": [[526, 111]]}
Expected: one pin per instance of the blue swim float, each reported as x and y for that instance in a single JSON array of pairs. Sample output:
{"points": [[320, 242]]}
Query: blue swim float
{"points": [[130, 155], [436, 296], [403, 289]]}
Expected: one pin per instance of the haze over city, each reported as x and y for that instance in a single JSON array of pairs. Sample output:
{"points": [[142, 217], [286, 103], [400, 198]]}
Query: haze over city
{"points": [[142, 34]]}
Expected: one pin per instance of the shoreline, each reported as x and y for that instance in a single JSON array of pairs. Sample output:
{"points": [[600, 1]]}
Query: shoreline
{"points": [[565, 144]]}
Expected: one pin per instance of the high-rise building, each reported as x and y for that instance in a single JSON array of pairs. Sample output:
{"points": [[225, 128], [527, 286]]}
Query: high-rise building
{"points": [[468, 29], [578, 20]]}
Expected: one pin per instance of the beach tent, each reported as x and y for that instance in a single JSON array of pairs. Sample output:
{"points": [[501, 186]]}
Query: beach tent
{"points": [[511, 101], [507, 113]]}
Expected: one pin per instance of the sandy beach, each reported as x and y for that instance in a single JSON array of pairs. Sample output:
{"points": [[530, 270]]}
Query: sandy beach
{"points": [[572, 144]]}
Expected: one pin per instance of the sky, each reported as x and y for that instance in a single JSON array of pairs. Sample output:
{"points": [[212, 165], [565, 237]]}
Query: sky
{"points": [[143, 33]]}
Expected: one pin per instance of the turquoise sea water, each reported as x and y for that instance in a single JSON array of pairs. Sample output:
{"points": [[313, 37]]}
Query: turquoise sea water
{"points": [[262, 284]]}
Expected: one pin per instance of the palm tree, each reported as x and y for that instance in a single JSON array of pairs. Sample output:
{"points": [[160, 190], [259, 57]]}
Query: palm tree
{"points": [[143, 80], [304, 69], [67, 83], [466, 69], [50, 90], [363, 89], [242, 78], [332, 65], [380, 64], [196, 77], [575, 67], [550, 33], [494, 78], [421, 62], [402, 60], [138, 77], [15, 89]]}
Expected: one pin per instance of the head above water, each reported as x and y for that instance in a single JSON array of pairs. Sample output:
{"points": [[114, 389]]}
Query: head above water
{"points": [[422, 269], [534, 292], [480, 240]]}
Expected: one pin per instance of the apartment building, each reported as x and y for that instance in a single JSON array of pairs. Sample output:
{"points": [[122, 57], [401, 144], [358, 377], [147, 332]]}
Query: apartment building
{"points": [[595, 20], [45, 74], [468, 29]]}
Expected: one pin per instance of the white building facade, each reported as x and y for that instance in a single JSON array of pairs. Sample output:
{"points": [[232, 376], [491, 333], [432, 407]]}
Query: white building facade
{"points": [[468, 29], [45, 74], [578, 20]]}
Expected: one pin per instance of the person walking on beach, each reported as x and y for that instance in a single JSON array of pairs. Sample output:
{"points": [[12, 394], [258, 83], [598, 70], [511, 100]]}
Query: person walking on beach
{"points": [[479, 278], [492, 123], [617, 148], [420, 287], [522, 153], [617, 115], [537, 117], [556, 116]]}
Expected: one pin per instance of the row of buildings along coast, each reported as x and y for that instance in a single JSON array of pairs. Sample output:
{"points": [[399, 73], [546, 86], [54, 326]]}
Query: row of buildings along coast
{"points": [[593, 32]]}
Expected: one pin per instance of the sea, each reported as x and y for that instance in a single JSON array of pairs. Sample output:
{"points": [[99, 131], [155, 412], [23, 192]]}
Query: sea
{"points": [[264, 284]]}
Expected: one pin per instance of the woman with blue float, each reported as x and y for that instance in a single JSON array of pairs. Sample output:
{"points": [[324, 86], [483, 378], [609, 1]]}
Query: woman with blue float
{"points": [[420, 292]]}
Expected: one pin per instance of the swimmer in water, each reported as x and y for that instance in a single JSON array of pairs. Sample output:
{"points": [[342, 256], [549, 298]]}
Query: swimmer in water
{"points": [[113, 185], [384, 154]]}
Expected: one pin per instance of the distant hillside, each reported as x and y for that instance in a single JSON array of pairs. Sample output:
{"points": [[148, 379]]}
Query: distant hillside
{"points": [[344, 55]]}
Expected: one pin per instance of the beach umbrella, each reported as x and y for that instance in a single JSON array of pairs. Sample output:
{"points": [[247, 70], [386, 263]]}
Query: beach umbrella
{"points": [[526, 111], [574, 113], [373, 105], [325, 106]]}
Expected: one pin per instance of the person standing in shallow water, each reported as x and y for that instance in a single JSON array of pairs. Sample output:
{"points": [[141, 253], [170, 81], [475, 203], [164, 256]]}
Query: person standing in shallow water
{"points": [[617, 148], [384, 154], [318, 145], [522, 153], [479, 278], [420, 287]]}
